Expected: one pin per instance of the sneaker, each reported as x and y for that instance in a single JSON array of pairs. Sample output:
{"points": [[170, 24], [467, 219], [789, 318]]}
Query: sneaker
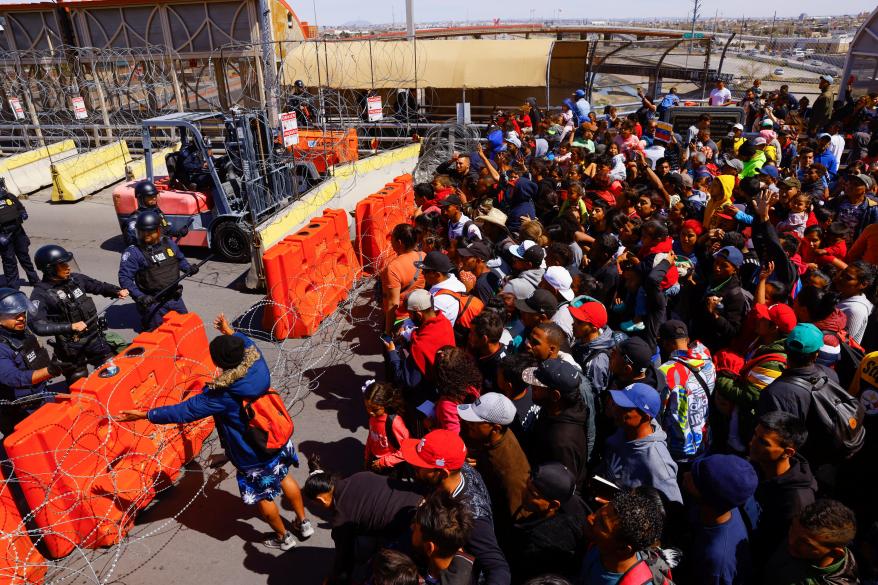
{"points": [[286, 543], [304, 530]]}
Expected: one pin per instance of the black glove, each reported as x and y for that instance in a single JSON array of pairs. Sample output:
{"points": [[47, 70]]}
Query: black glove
{"points": [[184, 231], [192, 270], [145, 300], [56, 367]]}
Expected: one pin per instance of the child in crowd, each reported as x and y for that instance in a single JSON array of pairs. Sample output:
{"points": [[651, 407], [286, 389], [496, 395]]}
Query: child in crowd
{"points": [[387, 429]]}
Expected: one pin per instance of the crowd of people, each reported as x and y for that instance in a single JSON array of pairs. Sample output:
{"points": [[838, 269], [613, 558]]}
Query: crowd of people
{"points": [[616, 354]]}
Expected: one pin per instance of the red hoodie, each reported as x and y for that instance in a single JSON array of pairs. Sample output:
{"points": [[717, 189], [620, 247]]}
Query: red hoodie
{"points": [[432, 335]]}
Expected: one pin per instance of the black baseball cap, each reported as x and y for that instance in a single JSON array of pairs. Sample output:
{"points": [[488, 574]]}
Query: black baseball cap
{"points": [[541, 301], [436, 261], [452, 199], [478, 250], [554, 481], [636, 352], [556, 374], [673, 329]]}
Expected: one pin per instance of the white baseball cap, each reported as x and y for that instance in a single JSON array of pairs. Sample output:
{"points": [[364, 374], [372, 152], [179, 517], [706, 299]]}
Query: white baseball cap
{"points": [[492, 408], [738, 127], [559, 279]]}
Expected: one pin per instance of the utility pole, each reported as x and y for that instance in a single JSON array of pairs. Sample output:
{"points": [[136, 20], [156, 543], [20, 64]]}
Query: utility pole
{"points": [[410, 19], [696, 12], [771, 38]]}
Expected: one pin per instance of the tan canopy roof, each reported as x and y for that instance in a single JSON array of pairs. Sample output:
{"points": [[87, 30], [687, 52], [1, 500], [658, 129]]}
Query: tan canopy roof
{"points": [[441, 63]]}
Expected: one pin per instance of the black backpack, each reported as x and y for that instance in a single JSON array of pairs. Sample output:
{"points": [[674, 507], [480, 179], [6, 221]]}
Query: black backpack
{"points": [[837, 412]]}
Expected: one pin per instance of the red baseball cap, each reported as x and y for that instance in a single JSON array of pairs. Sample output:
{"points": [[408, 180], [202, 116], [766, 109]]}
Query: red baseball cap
{"points": [[591, 312], [439, 449], [783, 316]]}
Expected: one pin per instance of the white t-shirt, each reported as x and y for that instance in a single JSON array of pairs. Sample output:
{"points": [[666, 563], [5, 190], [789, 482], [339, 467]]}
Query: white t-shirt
{"points": [[719, 97], [836, 146]]}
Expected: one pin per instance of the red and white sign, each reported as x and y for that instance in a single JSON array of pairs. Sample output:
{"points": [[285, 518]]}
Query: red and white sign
{"points": [[79, 110], [17, 110], [376, 111], [290, 129]]}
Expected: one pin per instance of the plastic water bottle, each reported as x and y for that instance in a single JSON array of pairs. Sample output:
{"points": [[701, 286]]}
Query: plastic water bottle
{"points": [[111, 370]]}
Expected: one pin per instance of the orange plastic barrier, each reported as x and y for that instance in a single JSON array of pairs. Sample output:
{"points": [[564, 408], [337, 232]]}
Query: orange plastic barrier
{"points": [[377, 215], [84, 475], [326, 149], [307, 274], [20, 561]]}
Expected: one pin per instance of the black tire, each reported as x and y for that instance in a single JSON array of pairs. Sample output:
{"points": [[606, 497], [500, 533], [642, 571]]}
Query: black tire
{"points": [[231, 241]]}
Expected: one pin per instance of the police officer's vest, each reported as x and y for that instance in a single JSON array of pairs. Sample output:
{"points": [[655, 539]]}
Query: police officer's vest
{"points": [[72, 303], [162, 270], [34, 356], [8, 210]]}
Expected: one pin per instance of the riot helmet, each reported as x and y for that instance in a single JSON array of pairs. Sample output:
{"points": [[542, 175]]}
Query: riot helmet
{"points": [[148, 222], [14, 303], [147, 195], [55, 262]]}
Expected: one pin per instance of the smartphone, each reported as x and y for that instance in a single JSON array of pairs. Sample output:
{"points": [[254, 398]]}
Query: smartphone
{"points": [[602, 488], [386, 338]]}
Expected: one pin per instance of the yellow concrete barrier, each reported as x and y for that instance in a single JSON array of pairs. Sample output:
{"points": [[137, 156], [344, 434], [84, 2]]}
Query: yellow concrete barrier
{"points": [[136, 170], [30, 171], [76, 177]]}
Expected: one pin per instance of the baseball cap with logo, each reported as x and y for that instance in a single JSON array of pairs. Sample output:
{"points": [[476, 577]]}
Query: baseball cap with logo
{"points": [[559, 279], [641, 396], [439, 449], [492, 407], [591, 312]]}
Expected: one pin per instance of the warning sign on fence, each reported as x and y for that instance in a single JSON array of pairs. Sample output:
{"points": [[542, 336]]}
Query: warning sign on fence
{"points": [[290, 129], [376, 111], [17, 110], [79, 110]]}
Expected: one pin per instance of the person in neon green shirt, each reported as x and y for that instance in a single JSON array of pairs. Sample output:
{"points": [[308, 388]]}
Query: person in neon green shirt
{"points": [[752, 154]]}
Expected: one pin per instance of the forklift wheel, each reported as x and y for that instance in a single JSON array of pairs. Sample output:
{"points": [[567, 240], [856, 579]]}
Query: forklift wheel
{"points": [[231, 242]]}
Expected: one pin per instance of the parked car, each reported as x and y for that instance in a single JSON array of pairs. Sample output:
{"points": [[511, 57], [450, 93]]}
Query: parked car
{"points": [[778, 71]]}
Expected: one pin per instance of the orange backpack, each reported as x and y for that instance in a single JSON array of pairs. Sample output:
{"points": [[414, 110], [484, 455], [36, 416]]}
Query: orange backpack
{"points": [[269, 425], [469, 306]]}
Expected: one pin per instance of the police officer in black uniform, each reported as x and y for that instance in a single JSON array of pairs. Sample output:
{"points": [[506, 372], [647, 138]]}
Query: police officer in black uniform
{"points": [[151, 269], [148, 200], [14, 243], [195, 167], [301, 102], [65, 309], [25, 366]]}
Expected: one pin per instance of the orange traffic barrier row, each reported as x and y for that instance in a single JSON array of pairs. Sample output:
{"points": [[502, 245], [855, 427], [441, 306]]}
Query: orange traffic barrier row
{"points": [[308, 274], [82, 474], [377, 215], [326, 149]]}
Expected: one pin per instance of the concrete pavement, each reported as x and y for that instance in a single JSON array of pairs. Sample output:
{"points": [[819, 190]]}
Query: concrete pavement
{"points": [[200, 530]]}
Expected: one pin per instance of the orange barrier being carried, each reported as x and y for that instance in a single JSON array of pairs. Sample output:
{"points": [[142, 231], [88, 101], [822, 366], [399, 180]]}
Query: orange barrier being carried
{"points": [[377, 215], [326, 149], [84, 475], [308, 274]]}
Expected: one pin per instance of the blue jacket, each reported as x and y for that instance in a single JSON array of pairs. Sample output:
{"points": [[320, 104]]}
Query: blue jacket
{"points": [[15, 375], [133, 261], [221, 401]]}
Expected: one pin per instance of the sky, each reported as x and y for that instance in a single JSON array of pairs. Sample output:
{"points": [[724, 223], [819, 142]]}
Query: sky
{"points": [[336, 12]]}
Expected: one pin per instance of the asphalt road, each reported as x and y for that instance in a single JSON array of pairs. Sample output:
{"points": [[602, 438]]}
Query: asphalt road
{"points": [[200, 530]]}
